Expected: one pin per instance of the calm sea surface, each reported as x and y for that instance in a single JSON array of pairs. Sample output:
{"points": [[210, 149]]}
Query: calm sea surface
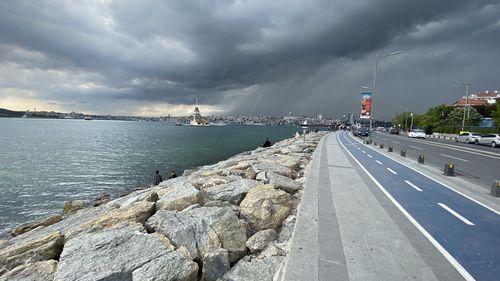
{"points": [[44, 163]]}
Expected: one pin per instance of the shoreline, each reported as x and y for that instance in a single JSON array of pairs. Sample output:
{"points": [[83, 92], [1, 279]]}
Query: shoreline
{"points": [[239, 214]]}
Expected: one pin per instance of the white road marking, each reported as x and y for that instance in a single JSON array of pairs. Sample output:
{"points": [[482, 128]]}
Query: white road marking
{"points": [[446, 155], [363, 151], [379, 162], [396, 142], [384, 138], [416, 147], [414, 186], [358, 148], [429, 237], [455, 214], [392, 171], [370, 156]]}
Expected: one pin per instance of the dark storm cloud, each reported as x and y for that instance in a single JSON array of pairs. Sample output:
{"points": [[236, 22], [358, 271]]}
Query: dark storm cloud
{"points": [[251, 56]]}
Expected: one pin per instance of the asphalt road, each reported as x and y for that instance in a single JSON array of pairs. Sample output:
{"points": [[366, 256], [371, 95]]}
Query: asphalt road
{"points": [[479, 164], [465, 231]]}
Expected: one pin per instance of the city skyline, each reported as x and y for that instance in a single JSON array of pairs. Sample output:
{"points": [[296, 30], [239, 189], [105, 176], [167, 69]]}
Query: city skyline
{"points": [[249, 57]]}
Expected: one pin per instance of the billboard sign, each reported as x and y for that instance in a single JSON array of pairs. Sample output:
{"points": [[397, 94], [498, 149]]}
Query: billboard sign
{"points": [[366, 105]]}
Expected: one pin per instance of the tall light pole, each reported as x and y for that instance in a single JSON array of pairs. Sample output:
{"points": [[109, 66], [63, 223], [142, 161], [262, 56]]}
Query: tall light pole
{"points": [[411, 126], [377, 59], [466, 85]]}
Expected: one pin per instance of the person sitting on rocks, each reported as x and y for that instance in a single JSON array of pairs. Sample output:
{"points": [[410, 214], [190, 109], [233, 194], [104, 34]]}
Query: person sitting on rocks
{"points": [[157, 178], [173, 175], [267, 143]]}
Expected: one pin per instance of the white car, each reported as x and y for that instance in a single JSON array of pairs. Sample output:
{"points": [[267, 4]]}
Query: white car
{"points": [[468, 137], [416, 133], [492, 140]]}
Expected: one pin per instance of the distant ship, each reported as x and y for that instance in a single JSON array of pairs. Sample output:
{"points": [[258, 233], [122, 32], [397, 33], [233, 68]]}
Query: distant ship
{"points": [[88, 118]]}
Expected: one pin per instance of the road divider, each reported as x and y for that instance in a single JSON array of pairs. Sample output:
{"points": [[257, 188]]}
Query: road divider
{"points": [[495, 189], [403, 152], [421, 159], [449, 170], [390, 148]]}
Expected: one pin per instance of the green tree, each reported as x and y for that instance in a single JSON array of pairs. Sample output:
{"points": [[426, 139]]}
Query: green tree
{"points": [[435, 117], [455, 118], [496, 114]]}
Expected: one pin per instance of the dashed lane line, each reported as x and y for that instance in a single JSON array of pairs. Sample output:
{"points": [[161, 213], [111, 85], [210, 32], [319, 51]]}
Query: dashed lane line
{"points": [[416, 147], [392, 171], [379, 162], [414, 186], [396, 142], [460, 217], [370, 156], [453, 157], [363, 151]]}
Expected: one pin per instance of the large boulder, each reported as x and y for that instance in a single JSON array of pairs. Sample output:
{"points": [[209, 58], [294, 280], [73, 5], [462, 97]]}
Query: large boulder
{"points": [[272, 167], [265, 207], [74, 206], [202, 228], [30, 226], [180, 195], [148, 195], [251, 269], [205, 182], [232, 192], [131, 215], [261, 240], [123, 254], [37, 271], [284, 160], [44, 248], [283, 183], [215, 264]]}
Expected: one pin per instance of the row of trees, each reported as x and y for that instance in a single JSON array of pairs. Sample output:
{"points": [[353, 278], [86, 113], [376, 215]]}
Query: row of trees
{"points": [[448, 119]]}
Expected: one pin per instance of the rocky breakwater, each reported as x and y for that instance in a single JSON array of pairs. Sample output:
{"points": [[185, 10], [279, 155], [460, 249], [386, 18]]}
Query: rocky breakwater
{"points": [[229, 221]]}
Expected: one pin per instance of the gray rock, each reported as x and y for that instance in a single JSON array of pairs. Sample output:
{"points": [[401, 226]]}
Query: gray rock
{"points": [[30, 226], [215, 264], [232, 192], [72, 207], [174, 266], [284, 160], [205, 182], [271, 167], [65, 225], [201, 228], [283, 183], [38, 271], [116, 254], [45, 248], [148, 195], [265, 207], [287, 229], [261, 240], [261, 176], [254, 269], [179, 196]]}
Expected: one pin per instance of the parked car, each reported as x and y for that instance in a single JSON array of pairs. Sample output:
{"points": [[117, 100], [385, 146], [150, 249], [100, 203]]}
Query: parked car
{"points": [[416, 133], [468, 137], [394, 131], [492, 140], [363, 132]]}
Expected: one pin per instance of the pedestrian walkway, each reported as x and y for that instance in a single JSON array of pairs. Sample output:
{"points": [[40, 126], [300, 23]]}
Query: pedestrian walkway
{"points": [[348, 230]]}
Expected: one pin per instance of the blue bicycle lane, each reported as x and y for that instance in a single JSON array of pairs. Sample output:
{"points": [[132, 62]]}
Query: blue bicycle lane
{"points": [[466, 230]]}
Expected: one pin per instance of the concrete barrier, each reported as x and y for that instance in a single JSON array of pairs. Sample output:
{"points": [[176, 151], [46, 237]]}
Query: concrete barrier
{"points": [[421, 159], [403, 152]]}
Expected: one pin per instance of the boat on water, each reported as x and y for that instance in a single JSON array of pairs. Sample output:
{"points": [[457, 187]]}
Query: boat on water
{"points": [[88, 118]]}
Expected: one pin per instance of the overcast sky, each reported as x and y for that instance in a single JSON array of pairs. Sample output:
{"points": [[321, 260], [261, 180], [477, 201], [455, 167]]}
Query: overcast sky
{"points": [[156, 57]]}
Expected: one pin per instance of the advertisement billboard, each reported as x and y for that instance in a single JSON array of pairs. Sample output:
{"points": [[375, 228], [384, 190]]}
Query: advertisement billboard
{"points": [[366, 105]]}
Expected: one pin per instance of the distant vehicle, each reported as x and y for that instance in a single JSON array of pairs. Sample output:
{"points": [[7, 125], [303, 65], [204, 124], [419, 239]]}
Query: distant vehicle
{"points": [[394, 131], [416, 133], [492, 140], [363, 132], [468, 137]]}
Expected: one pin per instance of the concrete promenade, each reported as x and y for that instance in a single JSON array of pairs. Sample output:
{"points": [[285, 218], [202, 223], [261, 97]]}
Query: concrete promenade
{"points": [[347, 229]]}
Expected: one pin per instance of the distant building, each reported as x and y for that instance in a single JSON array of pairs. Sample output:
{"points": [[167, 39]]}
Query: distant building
{"points": [[478, 99]]}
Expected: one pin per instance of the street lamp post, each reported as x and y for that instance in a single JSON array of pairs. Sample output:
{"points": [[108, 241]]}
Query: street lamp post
{"points": [[377, 59], [466, 85], [411, 126]]}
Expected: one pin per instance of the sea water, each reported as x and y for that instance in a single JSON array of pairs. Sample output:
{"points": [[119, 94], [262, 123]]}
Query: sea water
{"points": [[44, 163]]}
